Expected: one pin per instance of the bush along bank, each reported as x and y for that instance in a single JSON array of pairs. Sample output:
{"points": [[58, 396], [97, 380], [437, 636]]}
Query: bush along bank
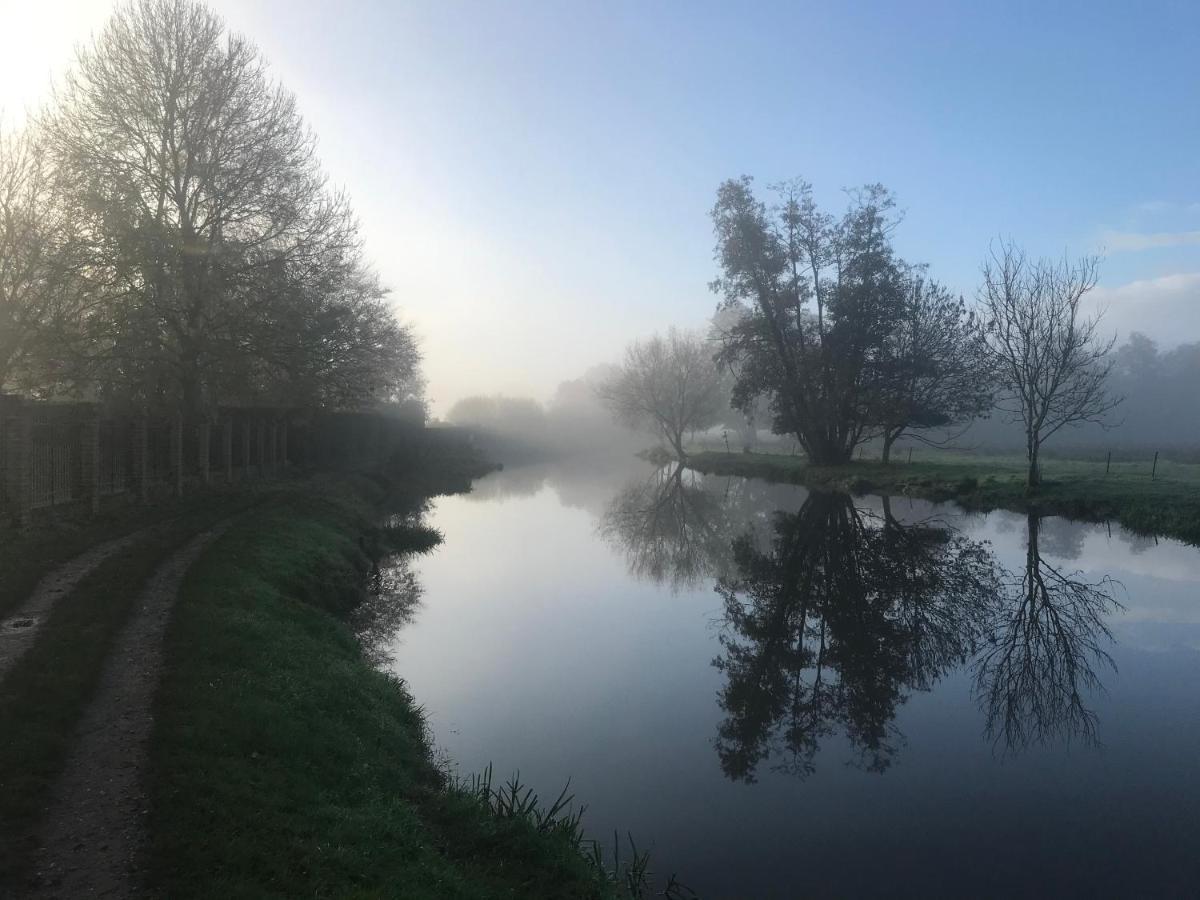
{"points": [[284, 764]]}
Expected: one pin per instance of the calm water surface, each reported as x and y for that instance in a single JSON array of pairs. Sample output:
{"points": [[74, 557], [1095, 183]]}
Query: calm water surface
{"points": [[786, 694]]}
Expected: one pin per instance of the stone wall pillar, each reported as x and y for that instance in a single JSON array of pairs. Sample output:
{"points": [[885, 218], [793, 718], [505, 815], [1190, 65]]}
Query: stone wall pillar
{"points": [[177, 455], [19, 472], [89, 461], [141, 457], [227, 449], [246, 425], [262, 448], [273, 448], [203, 449]]}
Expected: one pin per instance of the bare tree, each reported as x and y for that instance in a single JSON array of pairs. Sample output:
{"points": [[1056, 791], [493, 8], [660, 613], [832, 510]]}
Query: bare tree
{"points": [[190, 173], [1051, 363], [331, 340], [669, 385], [34, 277]]}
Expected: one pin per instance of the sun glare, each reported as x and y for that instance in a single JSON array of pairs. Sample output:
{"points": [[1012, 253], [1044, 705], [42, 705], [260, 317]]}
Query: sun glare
{"points": [[37, 39]]}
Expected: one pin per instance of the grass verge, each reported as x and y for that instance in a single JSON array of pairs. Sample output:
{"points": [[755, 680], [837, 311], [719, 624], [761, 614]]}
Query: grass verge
{"points": [[1167, 505], [25, 556], [43, 697], [284, 765]]}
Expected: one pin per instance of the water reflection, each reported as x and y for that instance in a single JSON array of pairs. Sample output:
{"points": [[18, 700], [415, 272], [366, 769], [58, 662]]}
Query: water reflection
{"points": [[670, 528], [1046, 639], [841, 613], [831, 626], [393, 594]]}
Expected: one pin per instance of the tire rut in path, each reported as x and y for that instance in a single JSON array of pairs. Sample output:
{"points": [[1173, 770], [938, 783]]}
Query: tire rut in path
{"points": [[92, 837], [19, 630]]}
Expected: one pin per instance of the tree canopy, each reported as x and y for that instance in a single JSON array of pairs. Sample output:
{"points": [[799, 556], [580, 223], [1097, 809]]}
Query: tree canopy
{"points": [[825, 302], [210, 260]]}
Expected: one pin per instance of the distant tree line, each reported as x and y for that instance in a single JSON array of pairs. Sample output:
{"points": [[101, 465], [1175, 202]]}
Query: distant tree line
{"points": [[167, 235], [519, 429]]}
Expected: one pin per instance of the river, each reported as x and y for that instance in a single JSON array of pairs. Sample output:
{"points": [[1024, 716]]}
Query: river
{"points": [[785, 694]]}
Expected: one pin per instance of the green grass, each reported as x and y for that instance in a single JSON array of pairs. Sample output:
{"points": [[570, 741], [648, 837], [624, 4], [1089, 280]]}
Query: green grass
{"points": [[285, 765], [1167, 505], [44, 696], [25, 556]]}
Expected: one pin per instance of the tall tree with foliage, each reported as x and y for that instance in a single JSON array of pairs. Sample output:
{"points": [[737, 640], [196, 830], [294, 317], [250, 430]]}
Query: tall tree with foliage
{"points": [[207, 222], [667, 385], [822, 297], [745, 417], [1052, 364], [936, 373]]}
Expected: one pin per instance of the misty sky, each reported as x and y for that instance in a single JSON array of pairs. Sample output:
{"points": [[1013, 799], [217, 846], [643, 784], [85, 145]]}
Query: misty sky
{"points": [[534, 179]]}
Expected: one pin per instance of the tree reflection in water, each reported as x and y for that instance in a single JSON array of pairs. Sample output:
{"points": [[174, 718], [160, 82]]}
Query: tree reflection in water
{"points": [[391, 602], [1045, 641], [671, 529], [830, 628], [835, 618]]}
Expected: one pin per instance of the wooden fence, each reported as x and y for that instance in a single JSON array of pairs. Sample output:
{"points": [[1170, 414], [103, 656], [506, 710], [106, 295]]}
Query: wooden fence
{"points": [[80, 456]]}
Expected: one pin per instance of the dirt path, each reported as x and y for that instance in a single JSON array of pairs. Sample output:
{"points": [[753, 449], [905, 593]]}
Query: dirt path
{"points": [[19, 630], [93, 834]]}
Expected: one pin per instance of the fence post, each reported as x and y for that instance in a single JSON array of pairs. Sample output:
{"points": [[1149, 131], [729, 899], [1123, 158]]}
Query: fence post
{"points": [[283, 443], [1108, 462], [177, 454], [89, 460], [203, 449], [227, 449], [1154, 468], [141, 457]]}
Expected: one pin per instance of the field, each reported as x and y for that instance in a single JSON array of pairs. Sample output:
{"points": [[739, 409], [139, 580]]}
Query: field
{"points": [[1167, 503]]}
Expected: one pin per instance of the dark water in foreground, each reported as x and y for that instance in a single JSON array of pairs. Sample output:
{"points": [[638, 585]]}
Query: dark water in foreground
{"points": [[794, 695]]}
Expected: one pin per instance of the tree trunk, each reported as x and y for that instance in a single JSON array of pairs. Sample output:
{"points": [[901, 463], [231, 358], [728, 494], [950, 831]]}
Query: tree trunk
{"points": [[888, 438], [677, 443], [832, 456], [1034, 476]]}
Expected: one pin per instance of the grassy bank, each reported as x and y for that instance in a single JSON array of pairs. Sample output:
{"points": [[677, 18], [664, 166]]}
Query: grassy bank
{"points": [[44, 696], [1167, 505], [26, 555], [285, 765]]}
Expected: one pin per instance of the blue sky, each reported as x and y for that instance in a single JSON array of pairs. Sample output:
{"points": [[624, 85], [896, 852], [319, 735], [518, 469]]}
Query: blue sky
{"points": [[534, 178]]}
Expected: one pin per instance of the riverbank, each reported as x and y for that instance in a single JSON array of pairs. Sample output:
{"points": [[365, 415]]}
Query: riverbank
{"points": [[255, 749], [284, 764], [1168, 504]]}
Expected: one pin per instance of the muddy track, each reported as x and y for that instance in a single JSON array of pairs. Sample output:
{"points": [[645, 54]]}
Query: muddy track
{"points": [[92, 839], [19, 630]]}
